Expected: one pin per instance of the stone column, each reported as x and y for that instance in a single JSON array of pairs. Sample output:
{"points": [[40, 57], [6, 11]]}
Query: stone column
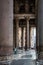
{"points": [[27, 32], [37, 36], [6, 27], [17, 32], [14, 33], [22, 39], [40, 24]]}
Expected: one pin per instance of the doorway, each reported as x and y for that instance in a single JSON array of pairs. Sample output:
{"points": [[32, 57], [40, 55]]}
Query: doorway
{"points": [[19, 34], [32, 34], [33, 37], [22, 34]]}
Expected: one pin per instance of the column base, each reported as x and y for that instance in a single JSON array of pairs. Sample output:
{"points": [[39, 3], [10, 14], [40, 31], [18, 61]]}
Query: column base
{"points": [[6, 54], [6, 50], [7, 58]]}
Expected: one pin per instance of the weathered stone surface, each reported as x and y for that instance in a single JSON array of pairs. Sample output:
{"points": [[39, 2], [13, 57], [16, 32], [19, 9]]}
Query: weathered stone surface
{"points": [[6, 26], [40, 25]]}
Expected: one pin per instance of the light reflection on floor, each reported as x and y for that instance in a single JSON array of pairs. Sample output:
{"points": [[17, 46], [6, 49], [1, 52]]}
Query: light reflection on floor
{"points": [[24, 58], [29, 54]]}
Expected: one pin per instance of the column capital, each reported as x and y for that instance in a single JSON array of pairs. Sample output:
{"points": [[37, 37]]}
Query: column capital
{"points": [[27, 18]]}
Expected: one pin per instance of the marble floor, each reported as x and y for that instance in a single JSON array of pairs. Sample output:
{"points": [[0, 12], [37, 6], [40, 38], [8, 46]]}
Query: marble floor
{"points": [[29, 54], [23, 58], [23, 62]]}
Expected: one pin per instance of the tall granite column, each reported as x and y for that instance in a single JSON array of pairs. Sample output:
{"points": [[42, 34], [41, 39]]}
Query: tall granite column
{"points": [[27, 18], [22, 39], [37, 36], [6, 27], [17, 32], [40, 24]]}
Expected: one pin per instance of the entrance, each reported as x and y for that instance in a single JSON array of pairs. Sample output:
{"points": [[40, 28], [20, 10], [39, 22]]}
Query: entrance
{"points": [[33, 37], [32, 34], [24, 34], [22, 37]]}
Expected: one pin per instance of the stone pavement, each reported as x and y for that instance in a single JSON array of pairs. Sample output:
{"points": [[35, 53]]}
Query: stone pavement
{"points": [[29, 54], [23, 62], [22, 58], [25, 58]]}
